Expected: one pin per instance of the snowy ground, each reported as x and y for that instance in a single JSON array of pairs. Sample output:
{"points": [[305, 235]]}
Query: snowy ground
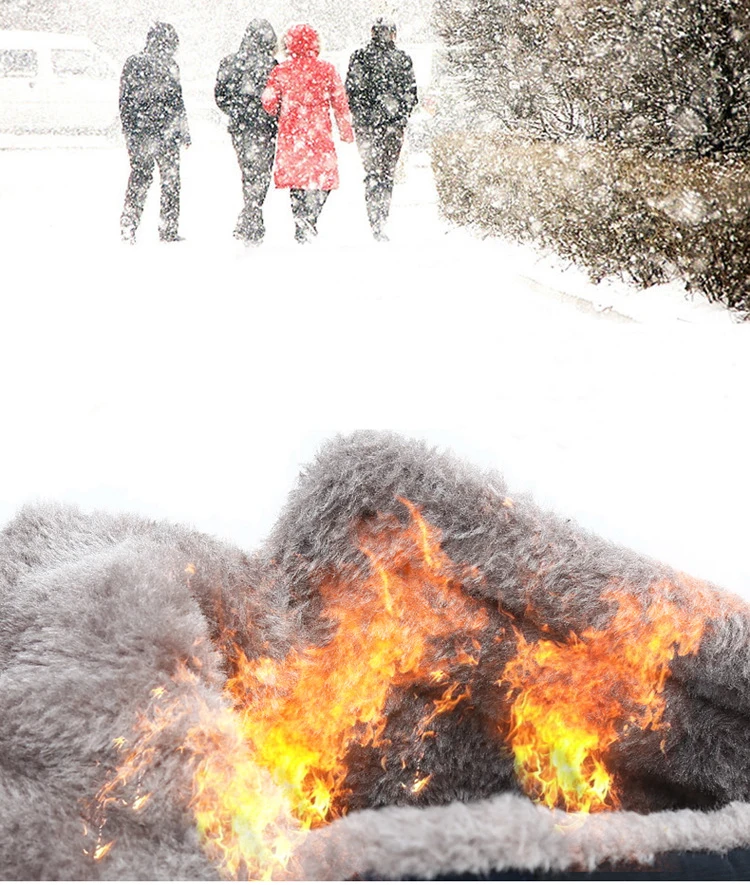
{"points": [[192, 380]]}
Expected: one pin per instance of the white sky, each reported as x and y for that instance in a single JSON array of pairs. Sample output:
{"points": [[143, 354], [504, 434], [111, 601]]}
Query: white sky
{"points": [[192, 381]]}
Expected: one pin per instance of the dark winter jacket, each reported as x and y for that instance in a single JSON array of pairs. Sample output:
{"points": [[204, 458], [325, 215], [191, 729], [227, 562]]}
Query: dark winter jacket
{"points": [[242, 77], [151, 101], [380, 85]]}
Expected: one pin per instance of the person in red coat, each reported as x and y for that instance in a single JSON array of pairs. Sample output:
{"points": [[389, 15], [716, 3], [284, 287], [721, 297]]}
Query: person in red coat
{"points": [[302, 91]]}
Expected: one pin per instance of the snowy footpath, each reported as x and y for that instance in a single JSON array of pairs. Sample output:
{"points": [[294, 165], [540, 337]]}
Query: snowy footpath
{"points": [[192, 380]]}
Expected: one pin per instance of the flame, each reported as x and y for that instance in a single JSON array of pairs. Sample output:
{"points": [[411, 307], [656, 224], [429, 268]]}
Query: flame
{"points": [[272, 764], [420, 783], [304, 713], [140, 801], [450, 699], [573, 700], [228, 786], [102, 850], [245, 820]]}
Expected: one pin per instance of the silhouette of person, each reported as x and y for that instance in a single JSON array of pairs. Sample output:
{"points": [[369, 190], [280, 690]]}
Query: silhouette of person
{"points": [[239, 85], [382, 93], [154, 123]]}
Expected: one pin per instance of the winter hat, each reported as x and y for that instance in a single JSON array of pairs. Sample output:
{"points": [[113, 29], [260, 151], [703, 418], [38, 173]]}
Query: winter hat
{"points": [[302, 40], [259, 35], [162, 37]]}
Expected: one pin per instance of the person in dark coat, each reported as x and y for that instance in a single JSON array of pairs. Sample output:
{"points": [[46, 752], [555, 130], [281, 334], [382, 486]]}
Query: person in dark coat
{"points": [[382, 93], [239, 85], [154, 122]]}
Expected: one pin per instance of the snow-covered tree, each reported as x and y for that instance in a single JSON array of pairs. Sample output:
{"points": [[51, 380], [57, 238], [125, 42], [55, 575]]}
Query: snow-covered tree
{"points": [[654, 73]]}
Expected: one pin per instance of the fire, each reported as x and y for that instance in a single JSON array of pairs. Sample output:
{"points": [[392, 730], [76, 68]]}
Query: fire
{"points": [[303, 714], [450, 699], [244, 819], [272, 764], [420, 783], [572, 701]]}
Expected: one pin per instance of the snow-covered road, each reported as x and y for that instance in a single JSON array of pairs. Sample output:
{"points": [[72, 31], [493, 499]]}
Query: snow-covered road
{"points": [[192, 380]]}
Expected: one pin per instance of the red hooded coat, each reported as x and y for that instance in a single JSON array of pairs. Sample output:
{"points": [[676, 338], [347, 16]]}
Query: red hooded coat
{"points": [[302, 91]]}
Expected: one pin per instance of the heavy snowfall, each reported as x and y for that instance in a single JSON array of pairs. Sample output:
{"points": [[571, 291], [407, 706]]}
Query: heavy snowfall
{"points": [[192, 381], [176, 709]]}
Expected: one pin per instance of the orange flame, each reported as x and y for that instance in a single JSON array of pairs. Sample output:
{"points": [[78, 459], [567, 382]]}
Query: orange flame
{"points": [[304, 713], [272, 765], [572, 701], [243, 817]]}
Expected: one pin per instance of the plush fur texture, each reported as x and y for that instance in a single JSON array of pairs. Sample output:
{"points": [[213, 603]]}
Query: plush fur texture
{"points": [[508, 833], [97, 611], [536, 570]]}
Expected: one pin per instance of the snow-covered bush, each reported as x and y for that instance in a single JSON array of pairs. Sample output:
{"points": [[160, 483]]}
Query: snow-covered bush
{"points": [[613, 131], [653, 73], [611, 209]]}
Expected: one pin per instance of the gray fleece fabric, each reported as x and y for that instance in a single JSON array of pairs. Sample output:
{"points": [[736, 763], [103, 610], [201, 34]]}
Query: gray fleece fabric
{"points": [[98, 611]]}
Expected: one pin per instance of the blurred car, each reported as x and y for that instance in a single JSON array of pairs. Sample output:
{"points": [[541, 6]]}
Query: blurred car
{"points": [[56, 83]]}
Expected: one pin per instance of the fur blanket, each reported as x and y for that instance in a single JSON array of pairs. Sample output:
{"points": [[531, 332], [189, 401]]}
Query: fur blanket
{"points": [[100, 612]]}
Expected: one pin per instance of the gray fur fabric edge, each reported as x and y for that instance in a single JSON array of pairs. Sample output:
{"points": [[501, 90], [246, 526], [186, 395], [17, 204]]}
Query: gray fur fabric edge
{"points": [[508, 833]]}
